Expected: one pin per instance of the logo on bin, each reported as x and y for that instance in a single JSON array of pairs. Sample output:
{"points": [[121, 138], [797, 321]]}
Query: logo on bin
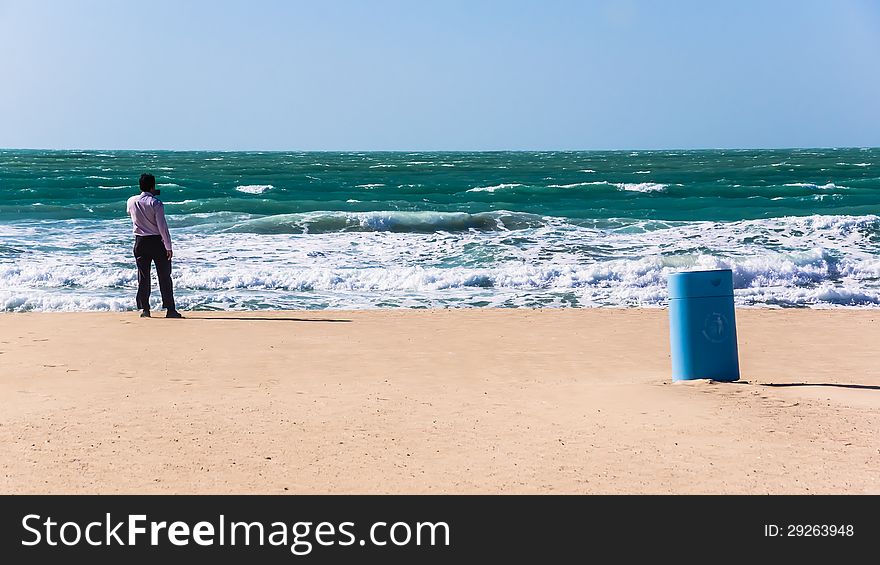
{"points": [[715, 327]]}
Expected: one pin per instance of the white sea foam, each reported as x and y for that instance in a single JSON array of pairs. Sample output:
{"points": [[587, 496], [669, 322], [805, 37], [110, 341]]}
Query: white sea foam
{"points": [[371, 185], [577, 184], [254, 188], [854, 164], [586, 171], [382, 166], [327, 222], [12, 301], [446, 259], [495, 187], [774, 279], [7, 230], [641, 186], [44, 275], [352, 200], [826, 186], [642, 173]]}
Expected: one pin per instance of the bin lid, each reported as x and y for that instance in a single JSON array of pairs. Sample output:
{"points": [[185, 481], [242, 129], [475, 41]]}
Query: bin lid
{"points": [[699, 284]]}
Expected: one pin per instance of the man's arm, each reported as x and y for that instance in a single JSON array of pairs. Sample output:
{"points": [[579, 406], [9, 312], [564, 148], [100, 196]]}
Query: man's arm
{"points": [[163, 227]]}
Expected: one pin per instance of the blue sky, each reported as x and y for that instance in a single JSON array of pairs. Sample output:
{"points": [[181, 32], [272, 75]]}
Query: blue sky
{"points": [[450, 75]]}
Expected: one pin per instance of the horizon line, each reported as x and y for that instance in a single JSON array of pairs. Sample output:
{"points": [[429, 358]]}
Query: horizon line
{"points": [[143, 150]]}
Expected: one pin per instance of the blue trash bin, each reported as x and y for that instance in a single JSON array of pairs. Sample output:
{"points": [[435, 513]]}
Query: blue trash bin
{"points": [[702, 326]]}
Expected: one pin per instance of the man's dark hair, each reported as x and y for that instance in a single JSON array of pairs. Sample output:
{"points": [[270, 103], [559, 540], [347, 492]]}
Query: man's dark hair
{"points": [[147, 182]]}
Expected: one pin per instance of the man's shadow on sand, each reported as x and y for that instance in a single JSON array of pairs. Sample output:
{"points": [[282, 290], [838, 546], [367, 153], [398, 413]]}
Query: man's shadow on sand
{"points": [[256, 319]]}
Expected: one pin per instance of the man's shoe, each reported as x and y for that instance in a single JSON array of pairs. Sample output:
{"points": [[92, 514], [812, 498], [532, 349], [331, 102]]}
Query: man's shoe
{"points": [[173, 314], [145, 314]]}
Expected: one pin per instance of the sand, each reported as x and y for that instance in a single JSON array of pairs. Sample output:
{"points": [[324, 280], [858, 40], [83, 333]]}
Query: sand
{"points": [[419, 401]]}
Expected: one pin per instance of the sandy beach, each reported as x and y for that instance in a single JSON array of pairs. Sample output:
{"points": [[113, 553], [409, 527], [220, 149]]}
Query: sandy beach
{"points": [[442, 401]]}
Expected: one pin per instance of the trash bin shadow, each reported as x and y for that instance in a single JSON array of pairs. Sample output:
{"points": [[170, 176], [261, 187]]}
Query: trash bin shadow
{"points": [[836, 385]]}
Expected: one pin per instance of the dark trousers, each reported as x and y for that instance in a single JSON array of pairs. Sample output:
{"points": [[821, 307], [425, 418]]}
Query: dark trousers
{"points": [[149, 249]]}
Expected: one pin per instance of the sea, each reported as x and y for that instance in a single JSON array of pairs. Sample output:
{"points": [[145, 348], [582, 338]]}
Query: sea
{"points": [[357, 230]]}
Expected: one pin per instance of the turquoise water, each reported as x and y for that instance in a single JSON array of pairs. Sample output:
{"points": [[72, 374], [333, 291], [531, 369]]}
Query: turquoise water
{"points": [[360, 230]]}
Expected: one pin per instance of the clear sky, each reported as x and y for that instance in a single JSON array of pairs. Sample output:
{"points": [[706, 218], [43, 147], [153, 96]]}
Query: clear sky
{"points": [[439, 75]]}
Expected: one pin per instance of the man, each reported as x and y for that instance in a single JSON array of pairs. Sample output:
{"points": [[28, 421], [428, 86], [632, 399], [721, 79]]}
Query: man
{"points": [[152, 244]]}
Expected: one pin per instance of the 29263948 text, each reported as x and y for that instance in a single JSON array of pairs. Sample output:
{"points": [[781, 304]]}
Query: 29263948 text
{"points": [[809, 530]]}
